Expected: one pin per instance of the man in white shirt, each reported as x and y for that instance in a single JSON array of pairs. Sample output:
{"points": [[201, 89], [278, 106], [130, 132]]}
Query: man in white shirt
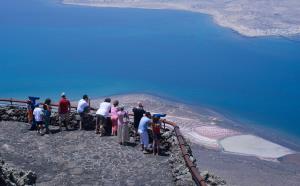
{"points": [[38, 116], [82, 109], [103, 116]]}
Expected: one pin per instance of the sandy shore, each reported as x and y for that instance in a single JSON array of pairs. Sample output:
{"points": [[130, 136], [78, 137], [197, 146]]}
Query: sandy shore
{"points": [[249, 18]]}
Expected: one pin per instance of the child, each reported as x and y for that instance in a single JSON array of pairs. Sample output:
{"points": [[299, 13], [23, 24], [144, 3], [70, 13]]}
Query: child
{"points": [[114, 117], [38, 116], [156, 124], [123, 132]]}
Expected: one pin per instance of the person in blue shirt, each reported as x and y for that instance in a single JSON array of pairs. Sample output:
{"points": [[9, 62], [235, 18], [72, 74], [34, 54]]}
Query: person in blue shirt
{"points": [[143, 131], [30, 107]]}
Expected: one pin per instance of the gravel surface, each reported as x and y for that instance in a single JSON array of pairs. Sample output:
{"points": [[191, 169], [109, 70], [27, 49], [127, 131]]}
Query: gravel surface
{"points": [[80, 158], [244, 171]]}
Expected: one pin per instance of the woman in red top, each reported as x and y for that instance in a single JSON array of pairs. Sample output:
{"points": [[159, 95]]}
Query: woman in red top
{"points": [[156, 134]]}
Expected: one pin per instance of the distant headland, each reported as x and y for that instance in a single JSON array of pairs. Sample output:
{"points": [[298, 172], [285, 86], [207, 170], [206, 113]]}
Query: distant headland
{"points": [[249, 18]]}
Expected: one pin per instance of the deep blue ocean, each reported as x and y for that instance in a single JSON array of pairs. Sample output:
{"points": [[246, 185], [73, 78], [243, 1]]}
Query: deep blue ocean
{"points": [[47, 48]]}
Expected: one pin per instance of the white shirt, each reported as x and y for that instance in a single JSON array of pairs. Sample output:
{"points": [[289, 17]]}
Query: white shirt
{"points": [[38, 114], [82, 104], [104, 109]]}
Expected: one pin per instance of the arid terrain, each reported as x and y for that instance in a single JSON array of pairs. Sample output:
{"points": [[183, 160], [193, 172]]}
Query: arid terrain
{"points": [[247, 17]]}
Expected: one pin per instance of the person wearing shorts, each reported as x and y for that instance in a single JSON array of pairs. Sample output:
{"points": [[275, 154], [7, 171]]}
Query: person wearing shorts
{"points": [[103, 117], [64, 109], [38, 116]]}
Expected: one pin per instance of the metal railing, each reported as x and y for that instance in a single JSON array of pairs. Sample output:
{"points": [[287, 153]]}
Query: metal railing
{"points": [[186, 156], [181, 142]]}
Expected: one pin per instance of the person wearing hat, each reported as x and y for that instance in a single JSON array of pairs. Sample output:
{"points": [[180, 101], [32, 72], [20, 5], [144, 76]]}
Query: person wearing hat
{"points": [[38, 117], [143, 131], [64, 109]]}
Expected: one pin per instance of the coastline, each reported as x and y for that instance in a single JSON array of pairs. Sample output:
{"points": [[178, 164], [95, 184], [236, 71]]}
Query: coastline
{"points": [[233, 19], [284, 170], [205, 127], [207, 130]]}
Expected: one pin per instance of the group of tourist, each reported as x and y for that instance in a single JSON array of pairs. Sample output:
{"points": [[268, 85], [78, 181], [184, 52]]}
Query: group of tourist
{"points": [[111, 119]]}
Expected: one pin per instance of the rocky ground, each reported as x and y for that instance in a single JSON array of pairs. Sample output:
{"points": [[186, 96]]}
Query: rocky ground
{"points": [[80, 158], [10, 176], [235, 169], [243, 170]]}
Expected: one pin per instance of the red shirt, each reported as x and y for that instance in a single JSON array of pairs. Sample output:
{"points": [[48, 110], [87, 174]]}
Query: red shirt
{"points": [[156, 128], [64, 105]]}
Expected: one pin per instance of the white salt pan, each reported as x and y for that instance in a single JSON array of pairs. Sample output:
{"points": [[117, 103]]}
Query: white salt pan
{"points": [[255, 146]]}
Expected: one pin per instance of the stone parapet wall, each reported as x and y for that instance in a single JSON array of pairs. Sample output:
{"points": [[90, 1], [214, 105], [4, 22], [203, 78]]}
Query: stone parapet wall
{"points": [[19, 113]]}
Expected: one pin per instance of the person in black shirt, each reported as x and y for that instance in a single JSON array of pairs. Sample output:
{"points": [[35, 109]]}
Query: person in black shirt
{"points": [[138, 114]]}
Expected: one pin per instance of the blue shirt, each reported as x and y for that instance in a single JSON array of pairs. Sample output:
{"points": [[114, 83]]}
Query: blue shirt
{"points": [[144, 123]]}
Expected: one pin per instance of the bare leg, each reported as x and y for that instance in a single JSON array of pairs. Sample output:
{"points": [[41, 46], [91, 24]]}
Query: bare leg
{"points": [[66, 123], [97, 125], [60, 123], [157, 146], [80, 125]]}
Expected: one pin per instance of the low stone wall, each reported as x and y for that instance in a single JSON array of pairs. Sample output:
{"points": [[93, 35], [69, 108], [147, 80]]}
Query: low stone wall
{"points": [[14, 177], [18, 113], [180, 172], [13, 113]]}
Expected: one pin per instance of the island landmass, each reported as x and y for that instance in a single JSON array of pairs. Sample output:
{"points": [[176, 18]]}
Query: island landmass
{"points": [[249, 18]]}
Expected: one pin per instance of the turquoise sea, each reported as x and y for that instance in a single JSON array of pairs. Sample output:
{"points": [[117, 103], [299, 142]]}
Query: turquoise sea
{"points": [[47, 48]]}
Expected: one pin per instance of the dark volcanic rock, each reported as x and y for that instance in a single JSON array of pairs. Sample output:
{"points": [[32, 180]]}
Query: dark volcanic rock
{"points": [[11, 177], [13, 113], [211, 179], [180, 172]]}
